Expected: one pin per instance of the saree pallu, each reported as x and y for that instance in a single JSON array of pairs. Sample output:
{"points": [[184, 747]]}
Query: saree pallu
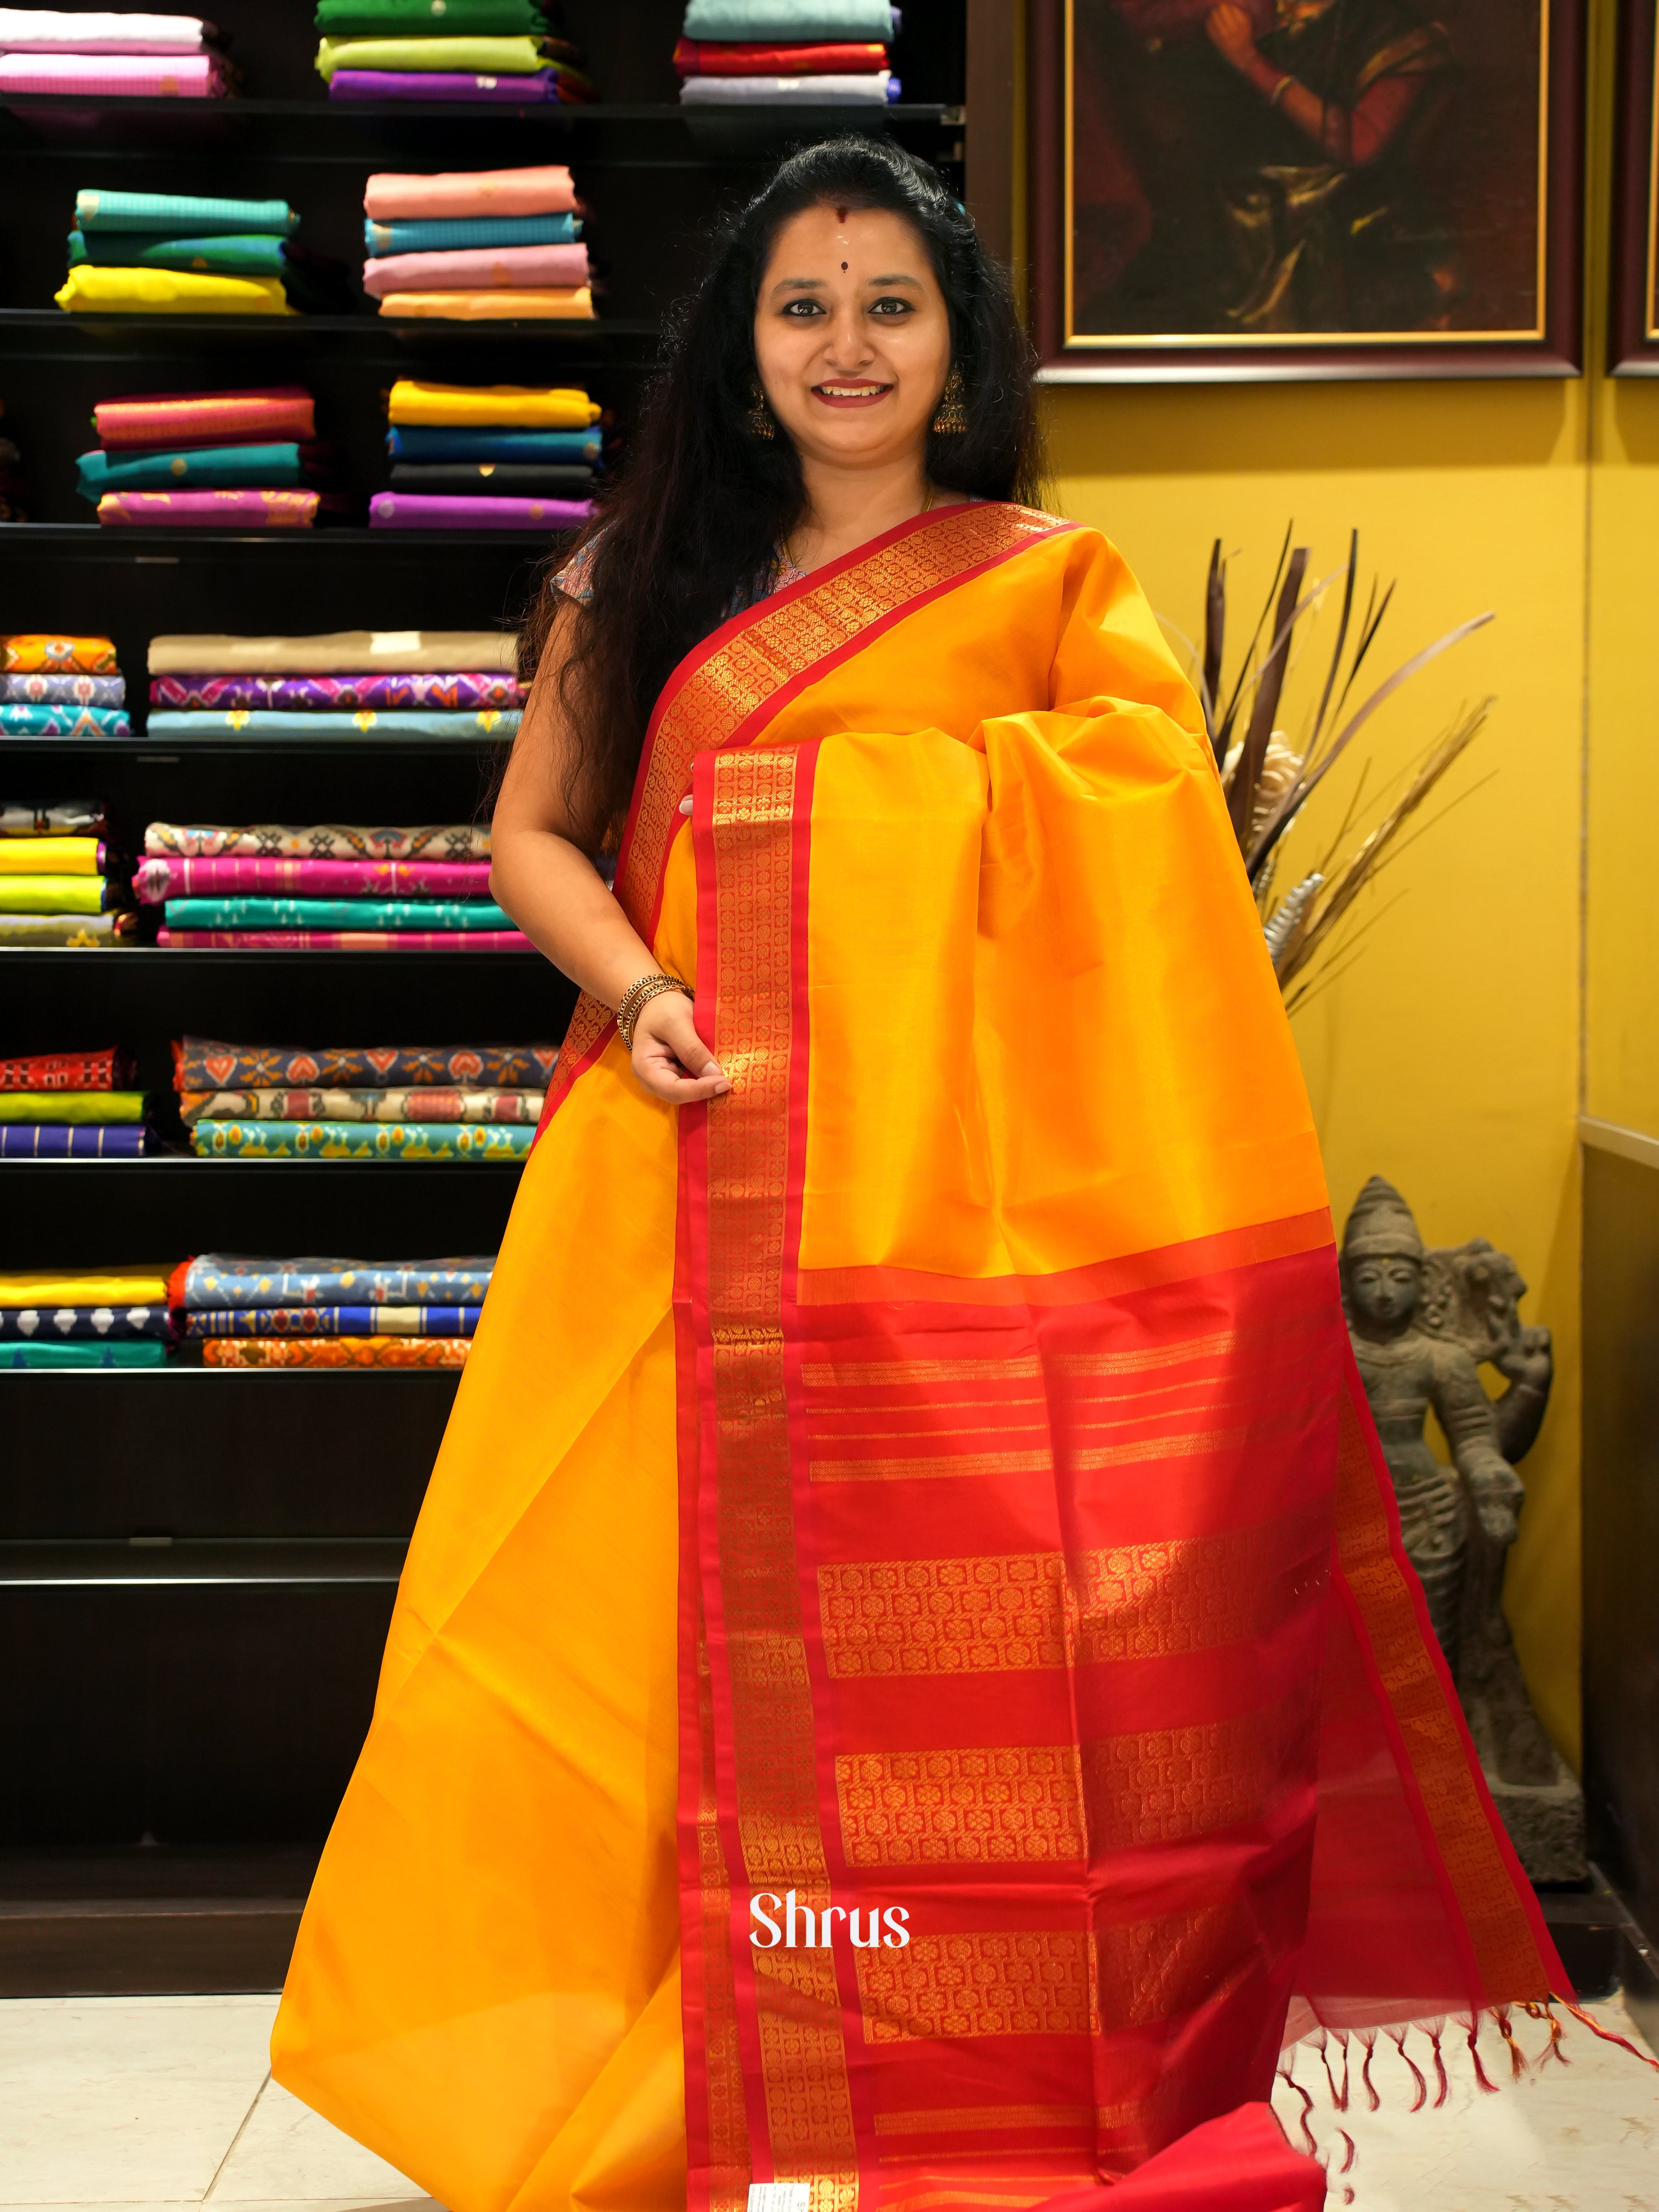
{"points": [[66, 1106], [83, 1324], [403, 510], [210, 510], [335, 1321], [52, 856], [409, 1103], [390, 197], [208, 418], [62, 720], [572, 303], [428, 915], [341, 941], [87, 289], [36, 1140], [335, 652], [84, 1286], [137, 1352], [204, 1064], [359, 1140], [62, 691], [178, 212], [360, 722], [476, 269], [464, 693], [323, 840], [89, 930], [461, 233], [221, 1279], [35, 652], [975, 1372], [65, 1071], [337, 1352], [158, 879], [57, 895]]}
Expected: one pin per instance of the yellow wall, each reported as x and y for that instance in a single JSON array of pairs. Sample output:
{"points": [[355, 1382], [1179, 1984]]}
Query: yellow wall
{"points": [[1449, 1057]]}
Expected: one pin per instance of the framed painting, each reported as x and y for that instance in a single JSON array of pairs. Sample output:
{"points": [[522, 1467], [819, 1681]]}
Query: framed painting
{"points": [[1237, 189], [1634, 303]]}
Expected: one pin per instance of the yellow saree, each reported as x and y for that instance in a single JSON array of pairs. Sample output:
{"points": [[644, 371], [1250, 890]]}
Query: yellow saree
{"points": [[929, 1481]]}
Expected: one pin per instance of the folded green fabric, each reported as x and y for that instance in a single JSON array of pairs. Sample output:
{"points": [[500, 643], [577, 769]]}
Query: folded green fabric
{"points": [[334, 914], [54, 895], [178, 213], [71, 1105], [254, 254], [465, 57], [362, 1140], [454, 19], [209, 468], [129, 1352]]}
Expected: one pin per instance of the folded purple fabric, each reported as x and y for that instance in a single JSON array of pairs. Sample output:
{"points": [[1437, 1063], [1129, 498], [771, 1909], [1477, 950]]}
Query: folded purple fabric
{"points": [[354, 940], [440, 84], [157, 879], [480, 269], [468, 693], [408, 510], [59, 1140]]}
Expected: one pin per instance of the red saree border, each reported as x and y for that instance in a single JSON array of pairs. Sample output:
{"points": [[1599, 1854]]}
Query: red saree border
{"points": [[729, 688]]}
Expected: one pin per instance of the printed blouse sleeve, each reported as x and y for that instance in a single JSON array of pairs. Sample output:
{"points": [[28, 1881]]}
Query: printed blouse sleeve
{"points": [[576, 579]]}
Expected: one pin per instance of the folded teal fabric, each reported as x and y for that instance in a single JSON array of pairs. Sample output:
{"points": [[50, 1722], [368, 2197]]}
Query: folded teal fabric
{"points": [[252, 255], [463, 233], [419, 441], [335, 913], [34, 720], [181, 213], [272, 468], [129, 1353], [789, 21], [366, 722]]}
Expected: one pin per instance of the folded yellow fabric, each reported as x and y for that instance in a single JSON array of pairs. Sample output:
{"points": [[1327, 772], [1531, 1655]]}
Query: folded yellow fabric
{"points": [[48, 856], [336, 653], [51, 895], [168, 292], [470, 56], [562, 303], [88, 1287], [71, 1105], [510, 406]]}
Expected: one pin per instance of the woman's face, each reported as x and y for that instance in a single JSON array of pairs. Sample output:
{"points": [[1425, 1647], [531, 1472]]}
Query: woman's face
{"points": [[852, 338]]}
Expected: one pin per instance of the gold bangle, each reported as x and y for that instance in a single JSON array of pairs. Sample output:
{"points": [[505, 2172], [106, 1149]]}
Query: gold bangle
{"points": [[639, 996]]}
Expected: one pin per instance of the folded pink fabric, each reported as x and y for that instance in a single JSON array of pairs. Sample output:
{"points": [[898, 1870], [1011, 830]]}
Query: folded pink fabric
{"points": [[168, 421], [481, 269], [546, 191], [212, 510], [184, 76], [364, 940], [158, 878]]}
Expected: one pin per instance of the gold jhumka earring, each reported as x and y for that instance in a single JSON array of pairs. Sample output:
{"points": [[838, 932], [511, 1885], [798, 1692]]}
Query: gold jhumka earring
{"points": [[951, 419], [760, 416]]}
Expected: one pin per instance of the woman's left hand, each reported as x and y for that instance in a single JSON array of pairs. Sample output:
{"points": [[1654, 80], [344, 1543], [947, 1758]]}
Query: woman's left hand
{"points": [[1231, 33]]}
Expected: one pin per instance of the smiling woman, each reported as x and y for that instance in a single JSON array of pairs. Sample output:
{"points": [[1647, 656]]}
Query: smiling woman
{"points": [[910, 1461]]}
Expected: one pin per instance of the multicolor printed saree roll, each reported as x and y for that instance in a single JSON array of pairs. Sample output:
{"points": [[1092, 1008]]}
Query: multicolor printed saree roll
{"points": [[335, 1321], [89, 930], [65, 1071], [1001, 1500], [333, 914], [338, 940], [202, 1064], [362, 722], [83, 1324], [71, 818], [64, 721], [486, 406], [408, 1102], [360, 1140], [450, 194], [158, 879], [338, 1352], [463, 693], [33, 651], [124, 1353], [221, 1281], [335, 652], [451, 841], [62, 691], [206, 418], [211, 510]]}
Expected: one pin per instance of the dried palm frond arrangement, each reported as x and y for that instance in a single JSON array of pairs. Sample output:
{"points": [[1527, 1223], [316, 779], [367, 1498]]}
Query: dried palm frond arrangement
{"points": [[1269, 781]]}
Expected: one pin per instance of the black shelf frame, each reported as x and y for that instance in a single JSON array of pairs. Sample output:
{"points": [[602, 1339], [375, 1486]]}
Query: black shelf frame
{"points": [[287, 1563]]}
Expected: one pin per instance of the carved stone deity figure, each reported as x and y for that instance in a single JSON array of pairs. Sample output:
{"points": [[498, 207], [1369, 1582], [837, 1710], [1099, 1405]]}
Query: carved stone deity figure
{"points": [[1421, 1322]]}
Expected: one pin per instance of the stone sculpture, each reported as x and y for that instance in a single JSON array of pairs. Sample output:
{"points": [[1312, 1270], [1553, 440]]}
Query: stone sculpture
{"points": [[1421, 1322]]}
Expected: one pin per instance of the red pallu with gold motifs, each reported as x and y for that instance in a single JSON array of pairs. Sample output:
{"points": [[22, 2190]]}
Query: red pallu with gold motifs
{"points": [[1059, 1607]]}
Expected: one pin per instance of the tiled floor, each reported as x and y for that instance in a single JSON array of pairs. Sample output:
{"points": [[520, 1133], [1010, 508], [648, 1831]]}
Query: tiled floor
{"points": [[165, 2102]]}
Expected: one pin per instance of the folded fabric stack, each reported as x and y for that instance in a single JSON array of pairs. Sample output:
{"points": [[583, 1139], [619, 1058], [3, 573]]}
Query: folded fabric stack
{"points": [[61, 687], [486, 457], [344, 684], [70, 1105], [86, 1317], [170, 253], [238, 460], [484, 245], [13, 494], [54, 50], [329, 1313], [491, 50], [361, 1102], [60, 886], [808, 52], [331, 888]]}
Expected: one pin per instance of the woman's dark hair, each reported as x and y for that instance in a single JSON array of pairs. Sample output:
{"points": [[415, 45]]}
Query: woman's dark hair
{"points": [[693, 518]]}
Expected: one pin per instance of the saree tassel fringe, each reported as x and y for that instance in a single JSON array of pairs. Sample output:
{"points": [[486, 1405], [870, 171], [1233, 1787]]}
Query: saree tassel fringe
{"points": [[1606, 2034], [1397, 2036], [1368, 2037], [1338, 2097], [1552, 2049], [1517, 2057], [1471, 2028], [1287, 2076]]}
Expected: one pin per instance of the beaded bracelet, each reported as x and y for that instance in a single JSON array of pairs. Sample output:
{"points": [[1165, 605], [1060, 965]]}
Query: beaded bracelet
{"points": [[639, 996]]}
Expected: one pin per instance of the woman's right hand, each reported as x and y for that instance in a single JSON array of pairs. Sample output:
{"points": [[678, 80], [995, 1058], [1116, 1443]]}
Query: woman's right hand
{"points": [[671, 1060]]}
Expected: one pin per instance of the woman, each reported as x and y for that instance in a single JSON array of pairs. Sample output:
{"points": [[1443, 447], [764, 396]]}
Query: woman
{"points": [[906, 1671]]}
